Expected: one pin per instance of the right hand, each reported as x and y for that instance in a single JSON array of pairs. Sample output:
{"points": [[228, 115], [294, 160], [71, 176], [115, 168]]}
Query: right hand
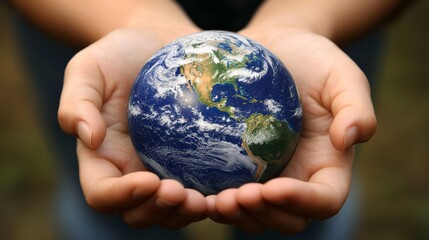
{"points": [[335, 98]]}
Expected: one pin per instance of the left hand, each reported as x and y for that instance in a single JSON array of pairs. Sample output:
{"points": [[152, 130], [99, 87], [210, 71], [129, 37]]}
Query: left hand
{"points": [[94, 107], [337, 113]]}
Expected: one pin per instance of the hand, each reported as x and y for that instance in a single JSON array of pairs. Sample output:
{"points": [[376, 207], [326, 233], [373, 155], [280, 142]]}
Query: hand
{"points": [[337, 113], [94, 107]]}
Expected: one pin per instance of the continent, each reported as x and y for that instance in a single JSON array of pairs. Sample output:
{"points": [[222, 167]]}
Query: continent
{"points": [[201, 78], [212, 67], [268, 142], [214, 110]]}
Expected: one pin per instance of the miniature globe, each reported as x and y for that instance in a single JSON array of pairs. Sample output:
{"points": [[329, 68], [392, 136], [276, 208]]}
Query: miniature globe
{"points": [[214, 110]]}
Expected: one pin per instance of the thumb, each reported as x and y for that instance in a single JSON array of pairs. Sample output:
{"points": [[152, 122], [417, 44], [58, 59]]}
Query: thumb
{"points": [[354, 117], [81, 100]]}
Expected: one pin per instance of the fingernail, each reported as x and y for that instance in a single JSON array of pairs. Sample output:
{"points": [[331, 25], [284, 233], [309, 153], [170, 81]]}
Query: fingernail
{"points": [[161, 203], [84, 133], [350, 137]]}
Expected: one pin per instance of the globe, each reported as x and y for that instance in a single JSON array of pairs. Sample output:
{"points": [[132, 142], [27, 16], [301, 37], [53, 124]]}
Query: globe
{"points": [[214, 110]]}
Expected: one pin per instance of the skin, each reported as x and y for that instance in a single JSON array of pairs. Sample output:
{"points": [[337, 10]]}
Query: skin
{"points": [[336, 100], [316, 182]]}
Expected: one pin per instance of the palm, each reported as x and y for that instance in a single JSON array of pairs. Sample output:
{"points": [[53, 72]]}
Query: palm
{"points": [[315, 184], [316, 156], [97, 84], [127, 52]]}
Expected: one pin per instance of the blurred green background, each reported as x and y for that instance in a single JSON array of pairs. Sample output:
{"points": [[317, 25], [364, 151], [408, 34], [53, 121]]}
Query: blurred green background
{"points": [[392, 166]]}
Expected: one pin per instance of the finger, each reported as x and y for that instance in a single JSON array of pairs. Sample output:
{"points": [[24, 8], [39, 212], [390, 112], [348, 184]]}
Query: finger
{"points": [[194, 204], [280, 219], [319, 199], [191, 210], [81, 100], [211, 211], [154, 210], [111, 194], [106, 188], [348, 96], [228, 207], [170, 193], [249, 196]]}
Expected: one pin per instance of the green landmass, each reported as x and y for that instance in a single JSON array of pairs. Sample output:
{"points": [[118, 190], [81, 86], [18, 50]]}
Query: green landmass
{"points": [[268, 141], [203, 75]]}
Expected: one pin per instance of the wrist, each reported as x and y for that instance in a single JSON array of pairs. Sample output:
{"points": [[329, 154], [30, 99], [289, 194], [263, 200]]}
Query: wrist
{"points": [[272, 35], [165, 31], [164, 18], [294, 15]]}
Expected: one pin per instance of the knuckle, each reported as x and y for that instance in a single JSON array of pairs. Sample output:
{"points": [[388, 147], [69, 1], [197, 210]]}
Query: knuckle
{"points": [[302, 224], [135, 219], [137, 223], [298, 225], [331, 211], [93, 201], [373, 125], [64, 115]]}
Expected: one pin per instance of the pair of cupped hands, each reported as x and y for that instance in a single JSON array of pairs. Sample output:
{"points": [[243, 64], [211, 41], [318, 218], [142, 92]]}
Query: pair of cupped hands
{"points": [[337, 113]]}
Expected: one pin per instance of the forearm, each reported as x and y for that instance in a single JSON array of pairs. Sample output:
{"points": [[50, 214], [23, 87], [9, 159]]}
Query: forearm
{"points": [[83, 22], [338, 20]]}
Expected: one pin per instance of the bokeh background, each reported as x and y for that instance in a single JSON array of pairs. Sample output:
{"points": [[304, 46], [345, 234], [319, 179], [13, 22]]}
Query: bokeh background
{"points": [[392, 167]]}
